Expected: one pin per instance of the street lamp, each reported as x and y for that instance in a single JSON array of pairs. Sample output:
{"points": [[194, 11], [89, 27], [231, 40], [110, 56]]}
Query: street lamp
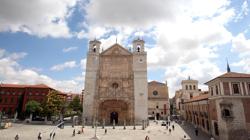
{"points": [[83, 119]]}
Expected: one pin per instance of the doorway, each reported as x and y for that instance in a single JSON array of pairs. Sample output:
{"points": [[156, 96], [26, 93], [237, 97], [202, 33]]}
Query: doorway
{"points": [[114, 117]]}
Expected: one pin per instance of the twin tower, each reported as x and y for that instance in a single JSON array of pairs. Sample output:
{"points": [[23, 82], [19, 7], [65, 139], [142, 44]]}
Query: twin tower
{"points": [[116, 84]]}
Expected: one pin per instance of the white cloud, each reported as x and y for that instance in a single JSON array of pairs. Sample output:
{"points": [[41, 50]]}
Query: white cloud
{"points": [[60, 67], [240, 44], [186, 32], [12, 72], [41, 17], [69, 49], [243, 12]]}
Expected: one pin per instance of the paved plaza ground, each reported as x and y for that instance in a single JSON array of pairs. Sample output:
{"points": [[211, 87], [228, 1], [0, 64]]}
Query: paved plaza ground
{"points": [[154, 131]]}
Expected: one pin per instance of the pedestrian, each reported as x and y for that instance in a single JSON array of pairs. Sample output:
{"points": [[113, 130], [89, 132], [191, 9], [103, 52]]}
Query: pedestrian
{"points": [[173, 127], [184, 137], [105, 131], [50, 135], [169, 131], [16, 137], [74, 132], [146, 138], [167, 127], [196, 132], [39, 136], [82, 130], [54, 135], [212, 138]]}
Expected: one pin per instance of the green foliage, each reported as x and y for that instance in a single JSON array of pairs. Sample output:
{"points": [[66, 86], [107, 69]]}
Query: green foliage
{"points": [[33, 106], [53, 104], [75, 105]]}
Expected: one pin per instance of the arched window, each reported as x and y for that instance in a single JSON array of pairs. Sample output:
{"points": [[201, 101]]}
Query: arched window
{"points": [[138, 47], [194, 87], [94, 48], [190, 87], [115, 85], [186, 87], [226, 113]]}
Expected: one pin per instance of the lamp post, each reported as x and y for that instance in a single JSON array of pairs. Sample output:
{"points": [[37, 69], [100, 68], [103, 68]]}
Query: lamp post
{"points": [[83, 119]]}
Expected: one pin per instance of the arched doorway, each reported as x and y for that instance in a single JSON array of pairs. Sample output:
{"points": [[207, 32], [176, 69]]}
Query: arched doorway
{"points": [[114, 110], [114, 117]]}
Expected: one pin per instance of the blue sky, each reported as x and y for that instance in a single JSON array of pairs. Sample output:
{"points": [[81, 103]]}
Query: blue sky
{"points": [[46, 41]]}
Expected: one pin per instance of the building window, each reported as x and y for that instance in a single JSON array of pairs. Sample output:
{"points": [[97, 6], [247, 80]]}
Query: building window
{"points": [[153, 112], [236, 88], [190, 87], [161, 113], [216, 129], [226, 113], [5, 100], [115, 85], [194, 87], [207, 125], [216, 90], [1, 99], [248, 88], [157, 106], [191, 95], [186, 87], [12, 100], [155, 93], [212, 91]]}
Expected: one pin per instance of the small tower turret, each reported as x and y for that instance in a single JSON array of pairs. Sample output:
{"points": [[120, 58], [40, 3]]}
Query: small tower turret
{"points": [[94, 46], [138, 45]]}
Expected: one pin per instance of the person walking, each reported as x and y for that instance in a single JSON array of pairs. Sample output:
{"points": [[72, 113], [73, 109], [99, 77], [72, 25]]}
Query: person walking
{"points": [[147, 138], [169, 130], [196, 131], [39, 136], [74, 133], [184, 137], [54, 135], [50, 135], [105, 131], [173, 127], [16, 137]]}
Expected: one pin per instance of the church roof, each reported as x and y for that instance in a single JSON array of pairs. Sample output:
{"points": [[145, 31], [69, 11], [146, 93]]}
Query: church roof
{"points": [[116, 49], [155, 82], [231, 75]]}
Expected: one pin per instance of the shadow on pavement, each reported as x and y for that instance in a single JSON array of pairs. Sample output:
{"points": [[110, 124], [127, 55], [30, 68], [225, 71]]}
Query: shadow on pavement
{"points": [[190, 130]]}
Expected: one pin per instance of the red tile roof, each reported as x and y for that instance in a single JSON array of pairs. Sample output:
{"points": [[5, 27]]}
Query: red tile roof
{"points": [[24, 86], [198, 98], [231, 75]]}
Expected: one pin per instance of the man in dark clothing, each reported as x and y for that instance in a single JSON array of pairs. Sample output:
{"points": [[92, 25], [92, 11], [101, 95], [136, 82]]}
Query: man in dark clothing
{"points": [[196, 132], [173, 127]]}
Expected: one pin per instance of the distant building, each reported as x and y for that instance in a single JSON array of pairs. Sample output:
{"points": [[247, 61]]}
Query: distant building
{"points": [[14, 97], [188, 91], [158, 100]]}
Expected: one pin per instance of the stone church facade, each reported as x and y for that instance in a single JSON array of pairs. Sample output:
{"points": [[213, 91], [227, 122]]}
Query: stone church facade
{"points": [[116, 84]]}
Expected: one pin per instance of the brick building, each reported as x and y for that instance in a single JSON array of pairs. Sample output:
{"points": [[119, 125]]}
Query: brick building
{"points": [[196, 112], [224, 112], [13, 97]]}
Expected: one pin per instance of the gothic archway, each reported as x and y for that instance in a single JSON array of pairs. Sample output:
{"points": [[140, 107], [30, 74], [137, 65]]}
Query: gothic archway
{"points": [[114, 110]]}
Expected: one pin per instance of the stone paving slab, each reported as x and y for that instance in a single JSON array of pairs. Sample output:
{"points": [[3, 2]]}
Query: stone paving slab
{"points": [[154, 131]]}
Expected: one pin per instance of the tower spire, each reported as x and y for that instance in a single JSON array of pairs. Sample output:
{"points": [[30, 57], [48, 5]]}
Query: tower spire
{"points": [[228, 67]]}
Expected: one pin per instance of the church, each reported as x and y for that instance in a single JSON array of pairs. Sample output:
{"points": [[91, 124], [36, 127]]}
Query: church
{"points": [[116, 87]]}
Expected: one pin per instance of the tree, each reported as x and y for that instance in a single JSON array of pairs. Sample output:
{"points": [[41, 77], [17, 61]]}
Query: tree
{"points": [[53, 104], [33, 106], [75, 105]]}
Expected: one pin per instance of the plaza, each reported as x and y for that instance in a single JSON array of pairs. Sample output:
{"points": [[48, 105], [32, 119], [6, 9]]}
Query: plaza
{"points": [[154, 131]]}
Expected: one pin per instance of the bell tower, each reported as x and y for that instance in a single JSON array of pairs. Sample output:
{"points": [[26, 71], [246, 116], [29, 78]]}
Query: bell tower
{"points": [[90, 89], [140, 80]]}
